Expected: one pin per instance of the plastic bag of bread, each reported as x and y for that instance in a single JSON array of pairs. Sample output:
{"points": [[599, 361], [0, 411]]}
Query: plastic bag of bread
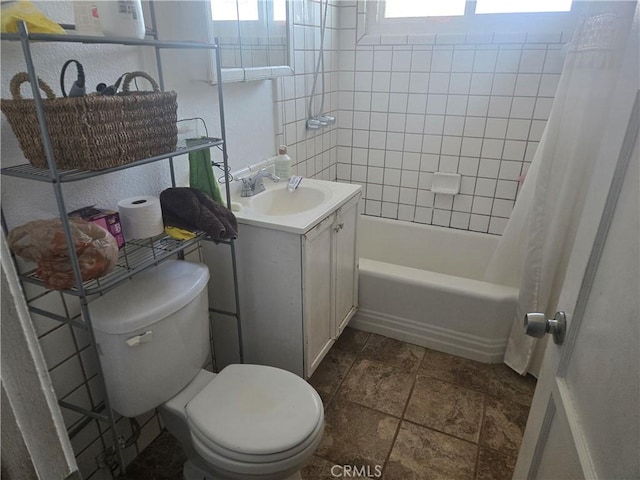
{"points": [[44, 242]]}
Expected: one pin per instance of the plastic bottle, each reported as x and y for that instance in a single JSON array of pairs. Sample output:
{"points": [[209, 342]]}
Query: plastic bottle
{"points": [[122, 18], [86, 18], [283, 163]]}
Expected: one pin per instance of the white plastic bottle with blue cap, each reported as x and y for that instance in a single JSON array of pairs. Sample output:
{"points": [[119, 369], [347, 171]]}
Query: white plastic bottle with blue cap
{"points": [[283, 163]]}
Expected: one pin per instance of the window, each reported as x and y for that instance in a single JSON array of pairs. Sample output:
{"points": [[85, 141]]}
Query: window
{"points": [[252, 34], [279, 10], [247, 10], [411, 8], [230, 10], [522, 6], [469, 16]]}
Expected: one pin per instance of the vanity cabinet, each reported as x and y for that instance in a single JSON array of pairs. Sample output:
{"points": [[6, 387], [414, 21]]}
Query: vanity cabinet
{"points": [[297, 290]]}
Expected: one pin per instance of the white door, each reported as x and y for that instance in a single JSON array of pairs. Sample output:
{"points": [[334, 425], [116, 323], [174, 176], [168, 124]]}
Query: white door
{"points": [[585, 416]]}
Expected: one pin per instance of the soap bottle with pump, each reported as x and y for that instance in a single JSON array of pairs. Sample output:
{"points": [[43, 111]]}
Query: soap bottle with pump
{"points": [[283, 163]]}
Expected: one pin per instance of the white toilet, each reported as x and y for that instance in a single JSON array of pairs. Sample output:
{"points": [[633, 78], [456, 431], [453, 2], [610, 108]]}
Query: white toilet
{"points": [[246, 422]]}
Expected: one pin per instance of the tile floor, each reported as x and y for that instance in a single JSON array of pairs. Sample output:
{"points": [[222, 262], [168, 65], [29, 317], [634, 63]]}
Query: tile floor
{"points": [[409, 412], [417, 413]]}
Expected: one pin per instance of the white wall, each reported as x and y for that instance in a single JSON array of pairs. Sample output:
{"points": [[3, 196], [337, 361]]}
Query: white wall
{"points": [[249, 114]]}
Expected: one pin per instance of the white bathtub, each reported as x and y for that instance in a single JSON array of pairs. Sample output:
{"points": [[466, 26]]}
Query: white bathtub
{"points": [[423, 285]]}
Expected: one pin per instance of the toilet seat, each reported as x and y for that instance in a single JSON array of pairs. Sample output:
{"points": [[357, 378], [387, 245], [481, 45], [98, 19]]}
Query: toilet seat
{"points": [[285, 463], [254, 419]]}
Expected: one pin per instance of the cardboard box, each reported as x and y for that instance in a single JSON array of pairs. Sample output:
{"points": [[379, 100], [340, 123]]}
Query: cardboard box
{"points": [[107, 219]]}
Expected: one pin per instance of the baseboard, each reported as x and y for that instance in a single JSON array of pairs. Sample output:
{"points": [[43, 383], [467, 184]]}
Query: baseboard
{"points": [[436, 338]]}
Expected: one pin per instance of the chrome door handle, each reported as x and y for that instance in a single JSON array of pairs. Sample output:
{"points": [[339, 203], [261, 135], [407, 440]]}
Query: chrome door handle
{"points": [[537, 324]]}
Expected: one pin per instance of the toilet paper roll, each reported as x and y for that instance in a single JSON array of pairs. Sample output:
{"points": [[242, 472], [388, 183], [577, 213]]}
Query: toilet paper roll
{"points": [[141, 217]]}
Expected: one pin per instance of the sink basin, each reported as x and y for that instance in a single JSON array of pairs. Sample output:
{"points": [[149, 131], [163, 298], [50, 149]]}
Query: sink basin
{"points": [[281, 202], [295, 212]]}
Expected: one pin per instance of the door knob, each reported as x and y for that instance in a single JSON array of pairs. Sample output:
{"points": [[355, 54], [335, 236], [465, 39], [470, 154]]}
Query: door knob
{"points": [[537, 324]]}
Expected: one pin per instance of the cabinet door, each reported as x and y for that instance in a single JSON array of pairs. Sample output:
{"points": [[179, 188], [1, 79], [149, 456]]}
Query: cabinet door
{"points": [[318, 294], [346, 264]]}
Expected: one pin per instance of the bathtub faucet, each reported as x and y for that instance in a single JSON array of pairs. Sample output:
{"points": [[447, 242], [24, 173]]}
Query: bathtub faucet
{"points": [[253, 184]]}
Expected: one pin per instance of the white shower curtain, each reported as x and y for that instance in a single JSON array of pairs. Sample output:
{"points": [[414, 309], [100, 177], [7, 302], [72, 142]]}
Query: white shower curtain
{"points": [[535, 247]]}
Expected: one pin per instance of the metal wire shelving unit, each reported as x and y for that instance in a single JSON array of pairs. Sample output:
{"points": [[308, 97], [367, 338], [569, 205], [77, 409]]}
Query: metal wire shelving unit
{"points": [[135, 256]]}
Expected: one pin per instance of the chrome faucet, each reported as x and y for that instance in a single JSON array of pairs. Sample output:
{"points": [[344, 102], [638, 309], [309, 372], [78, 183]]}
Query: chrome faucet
{"points": [[253, 185]]}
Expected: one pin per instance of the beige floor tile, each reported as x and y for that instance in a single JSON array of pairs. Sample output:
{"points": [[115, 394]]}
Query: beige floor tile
{"points": [[449, 408], [161, 460], [474, 375], [503, 425], [379, 386], [356, 435], [317, 469], [494, 466], [325, 397], [321, 469], [351, 340], [440, 365], [331, 371], [504, 382], [420, 454], [393, 352]]}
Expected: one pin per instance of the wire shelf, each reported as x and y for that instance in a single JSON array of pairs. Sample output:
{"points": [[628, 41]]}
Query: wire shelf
{"points": [[91, 39], [135, 256], [30, 172]]}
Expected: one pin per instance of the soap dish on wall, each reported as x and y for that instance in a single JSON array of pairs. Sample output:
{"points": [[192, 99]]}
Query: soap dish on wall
{"points": [[447, 183]]}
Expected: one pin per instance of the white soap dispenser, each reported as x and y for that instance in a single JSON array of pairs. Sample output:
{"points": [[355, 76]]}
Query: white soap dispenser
{"points": [[283, 163]]}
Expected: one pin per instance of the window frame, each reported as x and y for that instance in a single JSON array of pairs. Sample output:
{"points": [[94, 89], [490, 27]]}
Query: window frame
{"points": [[470, 23], [265, 14]]}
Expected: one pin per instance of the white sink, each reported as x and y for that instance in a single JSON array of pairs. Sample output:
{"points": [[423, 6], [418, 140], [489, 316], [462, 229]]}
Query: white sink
{"points": [[296, 211], [283, 202]]}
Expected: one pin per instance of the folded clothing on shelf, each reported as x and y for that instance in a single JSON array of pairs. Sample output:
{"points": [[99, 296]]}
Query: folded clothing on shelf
{"points": [[192, 209]]}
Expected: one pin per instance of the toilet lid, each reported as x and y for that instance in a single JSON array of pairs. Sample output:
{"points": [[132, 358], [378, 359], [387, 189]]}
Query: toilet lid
{"points": [[256, 410]]}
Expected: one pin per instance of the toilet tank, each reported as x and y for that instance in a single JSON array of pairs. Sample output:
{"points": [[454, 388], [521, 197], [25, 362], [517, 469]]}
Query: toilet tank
{"points": [[153, 334]]}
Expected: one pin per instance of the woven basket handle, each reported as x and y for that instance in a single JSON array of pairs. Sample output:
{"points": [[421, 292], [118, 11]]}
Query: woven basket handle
{"points": [[22, 77], [131, 75]]}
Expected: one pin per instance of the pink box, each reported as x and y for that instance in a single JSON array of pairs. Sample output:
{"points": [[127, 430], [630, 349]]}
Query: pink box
{"points": [[107, 219]]}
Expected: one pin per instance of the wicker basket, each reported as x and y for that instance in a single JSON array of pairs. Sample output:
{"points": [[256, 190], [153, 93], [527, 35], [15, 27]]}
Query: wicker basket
{"points": [[95, 131]]}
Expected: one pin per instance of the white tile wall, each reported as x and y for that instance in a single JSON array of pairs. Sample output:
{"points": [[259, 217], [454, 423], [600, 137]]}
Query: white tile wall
{"points": [[410, 110], [314, 152]]}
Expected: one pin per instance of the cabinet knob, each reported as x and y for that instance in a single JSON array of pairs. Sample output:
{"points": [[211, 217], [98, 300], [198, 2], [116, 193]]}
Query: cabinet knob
{"points": [[338, 227]]}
